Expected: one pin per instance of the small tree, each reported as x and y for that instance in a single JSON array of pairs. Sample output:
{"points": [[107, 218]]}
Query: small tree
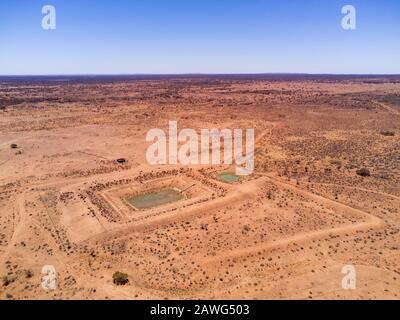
{"points": [[120, 279], [363, 172], [14, 146]]}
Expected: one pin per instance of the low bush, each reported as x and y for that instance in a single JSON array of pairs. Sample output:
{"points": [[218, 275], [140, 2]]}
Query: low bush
{"points": [[387, 133], [363, 172], [7, 280], [120, 279]]}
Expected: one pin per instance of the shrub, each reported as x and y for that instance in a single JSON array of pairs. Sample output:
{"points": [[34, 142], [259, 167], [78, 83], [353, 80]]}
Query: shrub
{"points": [[363, 172], [29, 273], [387, 133], [246, 228], [120, 279], [14, 146], [384, 175], [7, 280]]}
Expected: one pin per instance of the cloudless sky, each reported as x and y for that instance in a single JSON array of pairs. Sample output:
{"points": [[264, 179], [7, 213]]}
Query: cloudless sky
{"points": [[199, 36]]}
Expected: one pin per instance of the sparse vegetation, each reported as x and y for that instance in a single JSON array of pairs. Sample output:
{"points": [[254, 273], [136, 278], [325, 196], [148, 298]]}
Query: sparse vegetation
{"points": [[29, 273], [384, 175], [246, 228], [7, 280], [121, 161], [303, 207], [388, 133], [120, 279], [363, 172]]}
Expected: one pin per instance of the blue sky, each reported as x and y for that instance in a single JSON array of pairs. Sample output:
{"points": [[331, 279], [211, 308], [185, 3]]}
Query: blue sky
{"points": [[199, 36]]}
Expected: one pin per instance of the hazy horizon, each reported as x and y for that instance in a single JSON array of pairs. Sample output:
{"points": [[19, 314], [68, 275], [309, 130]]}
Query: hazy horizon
{"points": [[194, 74]]}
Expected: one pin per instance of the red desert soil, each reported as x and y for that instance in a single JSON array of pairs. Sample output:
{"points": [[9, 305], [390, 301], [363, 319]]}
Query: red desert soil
{"points": [[284, 232]]}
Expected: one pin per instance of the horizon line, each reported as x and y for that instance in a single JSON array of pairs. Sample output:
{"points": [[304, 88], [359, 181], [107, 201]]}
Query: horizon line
{"points": [[197, 74]]}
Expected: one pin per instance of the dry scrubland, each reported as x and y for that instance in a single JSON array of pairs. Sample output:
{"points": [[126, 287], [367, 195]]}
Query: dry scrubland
{"points": [[285, 232]]}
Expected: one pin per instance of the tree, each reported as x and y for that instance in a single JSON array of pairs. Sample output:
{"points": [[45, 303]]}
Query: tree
{"points": [[120, 279]]}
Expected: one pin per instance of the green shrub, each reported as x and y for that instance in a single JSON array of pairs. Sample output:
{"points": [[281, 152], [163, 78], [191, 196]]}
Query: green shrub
{"points": [[120, 279]]}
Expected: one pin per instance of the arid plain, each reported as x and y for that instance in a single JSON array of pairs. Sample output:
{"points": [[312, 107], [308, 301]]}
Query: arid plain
{"points": [[325, 192]]}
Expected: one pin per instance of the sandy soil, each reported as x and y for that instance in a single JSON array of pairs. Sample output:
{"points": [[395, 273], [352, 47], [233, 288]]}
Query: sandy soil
{"points": [[283, 233]]}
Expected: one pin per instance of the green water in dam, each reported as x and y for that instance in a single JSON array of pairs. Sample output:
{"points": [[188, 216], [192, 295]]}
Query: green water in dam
{"points": [[155, 199], [228, 177]]}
